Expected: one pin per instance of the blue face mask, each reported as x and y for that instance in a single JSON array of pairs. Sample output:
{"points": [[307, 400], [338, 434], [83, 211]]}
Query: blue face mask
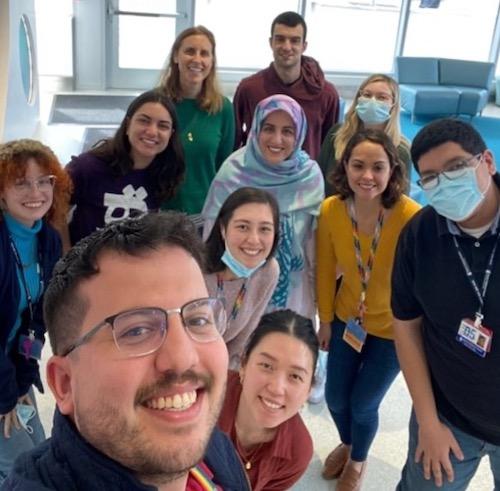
{"points": [[25, 412], [240, 270], [371, 111], [456, 199]]}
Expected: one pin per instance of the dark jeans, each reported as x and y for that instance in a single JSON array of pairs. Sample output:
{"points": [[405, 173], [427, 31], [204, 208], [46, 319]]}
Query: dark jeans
{"points": [[355, 386], [412, 477]]}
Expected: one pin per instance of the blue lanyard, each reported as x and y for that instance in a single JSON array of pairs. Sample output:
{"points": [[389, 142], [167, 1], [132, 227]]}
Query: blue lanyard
{"points": [[29, 298], [481, 294]]}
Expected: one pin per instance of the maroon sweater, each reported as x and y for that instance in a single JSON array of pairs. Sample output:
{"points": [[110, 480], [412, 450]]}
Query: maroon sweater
{"points": [[319, 100], [277, 464]]}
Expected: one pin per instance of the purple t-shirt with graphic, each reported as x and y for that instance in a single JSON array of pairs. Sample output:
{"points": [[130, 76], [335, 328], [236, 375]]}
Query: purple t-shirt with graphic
{"points": [[101, 197]]}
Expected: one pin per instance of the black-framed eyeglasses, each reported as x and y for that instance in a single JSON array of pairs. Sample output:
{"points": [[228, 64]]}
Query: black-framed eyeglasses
{"points": [[456, 170], [141, 331]]}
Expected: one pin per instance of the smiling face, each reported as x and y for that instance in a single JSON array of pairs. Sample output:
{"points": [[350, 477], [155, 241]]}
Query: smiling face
{"points": [[28, 203], [133, 406], [250, 233], [368, 170], [276, 380], [195, 60], [148, 131], [277, 137], [288, 45]]}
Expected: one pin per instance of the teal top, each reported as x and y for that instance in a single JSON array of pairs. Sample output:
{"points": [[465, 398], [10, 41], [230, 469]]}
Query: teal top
{"points": [[26, 243], [207, 140]]}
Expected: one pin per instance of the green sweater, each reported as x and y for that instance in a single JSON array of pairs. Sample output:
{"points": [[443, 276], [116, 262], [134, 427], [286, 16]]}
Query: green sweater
{"points": [[328, 162], [207, 139]]}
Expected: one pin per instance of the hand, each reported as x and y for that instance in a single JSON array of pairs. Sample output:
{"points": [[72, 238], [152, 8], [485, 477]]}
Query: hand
{"points": [[25, 399], [324, 335], [9, 420], [433, 449]]}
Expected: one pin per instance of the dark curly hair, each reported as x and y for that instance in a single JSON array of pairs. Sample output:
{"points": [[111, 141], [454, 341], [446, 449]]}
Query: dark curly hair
{"points": [[168, 166], [397, 180]]}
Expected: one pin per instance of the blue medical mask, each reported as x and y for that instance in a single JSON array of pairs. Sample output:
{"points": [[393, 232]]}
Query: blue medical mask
{"points": [[25, 412], [371, 111], [240, 270], [457, 199]]}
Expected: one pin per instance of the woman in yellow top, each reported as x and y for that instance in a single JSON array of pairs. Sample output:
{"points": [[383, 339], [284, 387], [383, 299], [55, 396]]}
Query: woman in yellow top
{"points": [[357, 234]]}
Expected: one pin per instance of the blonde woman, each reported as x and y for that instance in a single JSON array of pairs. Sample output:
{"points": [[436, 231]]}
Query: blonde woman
{"points": [[206, 118], [375, 106]]}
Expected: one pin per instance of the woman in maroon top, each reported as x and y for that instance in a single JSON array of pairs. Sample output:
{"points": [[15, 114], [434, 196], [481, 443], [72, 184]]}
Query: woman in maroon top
{"points": [[260, 413]]}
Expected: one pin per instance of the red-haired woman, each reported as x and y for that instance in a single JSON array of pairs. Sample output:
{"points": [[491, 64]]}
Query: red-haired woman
{"points": [[34, 194]]}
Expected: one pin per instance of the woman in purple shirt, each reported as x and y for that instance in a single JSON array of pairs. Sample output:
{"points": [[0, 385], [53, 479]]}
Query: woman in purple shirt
{"points": [[131, 173]]}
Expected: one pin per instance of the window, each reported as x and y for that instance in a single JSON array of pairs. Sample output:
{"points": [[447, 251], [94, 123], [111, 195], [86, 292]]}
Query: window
{"points": [[144, 42], [460, 29], [241, 29], [353, 36]]}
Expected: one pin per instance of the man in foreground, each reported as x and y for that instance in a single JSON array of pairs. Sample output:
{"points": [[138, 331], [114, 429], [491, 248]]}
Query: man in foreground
{"points": [[139, 367]]}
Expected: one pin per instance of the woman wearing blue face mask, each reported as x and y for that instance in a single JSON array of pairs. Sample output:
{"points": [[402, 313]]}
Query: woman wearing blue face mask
{"points": [[241, 269], [376, 106]]}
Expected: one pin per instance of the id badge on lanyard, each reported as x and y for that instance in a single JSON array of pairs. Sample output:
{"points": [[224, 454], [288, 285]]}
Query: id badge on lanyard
{"points": [[354, 332], [472, 333]]}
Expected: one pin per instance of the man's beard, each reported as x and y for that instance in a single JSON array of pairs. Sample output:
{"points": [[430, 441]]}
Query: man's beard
{"points": [[106, 428]]}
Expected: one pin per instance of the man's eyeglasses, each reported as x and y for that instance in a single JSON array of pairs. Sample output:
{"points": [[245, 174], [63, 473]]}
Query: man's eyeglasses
{"points": [[454, 171], [43, 183], [141, 331]]}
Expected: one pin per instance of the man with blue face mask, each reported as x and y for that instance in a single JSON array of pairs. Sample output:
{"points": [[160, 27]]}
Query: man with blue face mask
{"points": [[446, 280]]}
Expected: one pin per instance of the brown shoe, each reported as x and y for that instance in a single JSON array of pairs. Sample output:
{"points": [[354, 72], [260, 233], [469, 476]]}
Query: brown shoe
{"points": [[335, 462], [351, 479]]}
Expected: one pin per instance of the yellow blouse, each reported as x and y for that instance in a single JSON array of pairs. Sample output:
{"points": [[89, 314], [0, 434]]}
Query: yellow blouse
{"points": [[335, 253]]}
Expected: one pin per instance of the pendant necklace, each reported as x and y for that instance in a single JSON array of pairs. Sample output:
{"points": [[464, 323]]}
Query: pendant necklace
{"points": [[249, 458], [190, 136]]}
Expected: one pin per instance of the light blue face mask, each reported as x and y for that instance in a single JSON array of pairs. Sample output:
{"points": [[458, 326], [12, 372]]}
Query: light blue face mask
{"points": [[240, 270], [25, 412], [456, 199], [371, 111]]}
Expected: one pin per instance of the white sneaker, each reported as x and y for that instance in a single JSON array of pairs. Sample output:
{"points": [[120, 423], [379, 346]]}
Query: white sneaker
{"points": [[317, 394]]}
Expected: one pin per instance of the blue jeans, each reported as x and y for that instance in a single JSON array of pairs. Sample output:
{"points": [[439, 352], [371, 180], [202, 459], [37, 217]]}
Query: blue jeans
{"points": [[412, 478], [20, 441], [355, 386]]}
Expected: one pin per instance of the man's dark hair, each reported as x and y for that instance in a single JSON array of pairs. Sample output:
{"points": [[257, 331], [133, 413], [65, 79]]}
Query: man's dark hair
{"points": [[64, 308], [242, 196], [290, 19], [443, 131]]}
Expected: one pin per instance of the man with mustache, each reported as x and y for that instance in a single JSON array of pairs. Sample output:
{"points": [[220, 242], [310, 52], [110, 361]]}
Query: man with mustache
{"points": [[139, 367]]}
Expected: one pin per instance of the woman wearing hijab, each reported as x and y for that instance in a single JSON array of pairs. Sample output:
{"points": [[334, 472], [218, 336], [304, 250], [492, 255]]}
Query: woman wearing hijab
{"points": [[273, 160]]}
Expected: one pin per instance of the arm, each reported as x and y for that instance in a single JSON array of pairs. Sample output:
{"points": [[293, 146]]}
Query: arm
{"points": [[326, 157], [226, 142], [435, 440], [326, 272]]}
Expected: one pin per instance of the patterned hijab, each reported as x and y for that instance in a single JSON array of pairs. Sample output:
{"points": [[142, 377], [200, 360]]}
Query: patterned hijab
{"points": [[296, 183]]}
